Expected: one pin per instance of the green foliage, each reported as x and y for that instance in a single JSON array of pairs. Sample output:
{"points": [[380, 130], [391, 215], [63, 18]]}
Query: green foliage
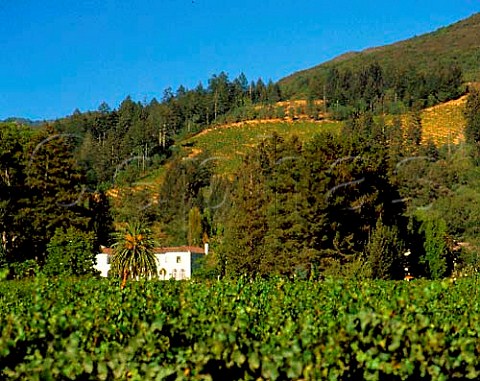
{"points": [[135, 204], [435, 247], [383, 253], [23, 269], [245, 223], [3, 257], [42, 188], [297, 206], [241, 330], [413, 133], [472, 116], [231, 144], [194, 227], [185, 183], [431, 66], [70, 253], [133, 255], [12, 179], [124, 144]]}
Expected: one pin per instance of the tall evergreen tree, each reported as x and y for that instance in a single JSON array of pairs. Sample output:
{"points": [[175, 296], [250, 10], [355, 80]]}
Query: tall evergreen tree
{"points": [[246, 226], [383, 253], [55, 193], [472, 116], [12, 179], [194, 235], [219, 87], [413, 132]]}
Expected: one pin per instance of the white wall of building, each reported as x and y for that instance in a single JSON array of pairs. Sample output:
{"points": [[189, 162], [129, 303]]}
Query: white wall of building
{"points": [[171, 265], [176, 265], [103, 264]]}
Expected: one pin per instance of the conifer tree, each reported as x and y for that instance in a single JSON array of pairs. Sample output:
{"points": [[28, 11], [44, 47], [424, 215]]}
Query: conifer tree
{"points": [[12, 178], [384, 253], [246, 225], [55, 192], [194, 234], [472, 116], [413, 132]]}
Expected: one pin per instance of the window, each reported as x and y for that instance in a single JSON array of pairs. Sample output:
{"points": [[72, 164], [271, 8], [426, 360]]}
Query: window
{"points": [[175, 274], [179, 259], [163, 274], [109, 259], [182, 274]]}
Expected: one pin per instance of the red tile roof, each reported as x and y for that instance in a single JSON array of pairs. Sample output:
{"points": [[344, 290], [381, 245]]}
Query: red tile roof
{"points": [[106, 250], [161, 250], [192, 249]]}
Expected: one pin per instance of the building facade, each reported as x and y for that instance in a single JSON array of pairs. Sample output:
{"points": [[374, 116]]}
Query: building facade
{"points": [[172, 262]]}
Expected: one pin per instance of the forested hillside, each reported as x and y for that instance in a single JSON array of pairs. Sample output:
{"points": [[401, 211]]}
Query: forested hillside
{"points": [[343, 183], [425, 69]]}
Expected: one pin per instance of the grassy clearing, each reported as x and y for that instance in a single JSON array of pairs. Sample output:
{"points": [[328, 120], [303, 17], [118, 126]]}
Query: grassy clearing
{"points": [[230, 143]]}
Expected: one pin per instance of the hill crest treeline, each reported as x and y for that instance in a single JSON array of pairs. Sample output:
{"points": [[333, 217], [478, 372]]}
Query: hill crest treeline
{"points": [[286, 210], [458, 44]]}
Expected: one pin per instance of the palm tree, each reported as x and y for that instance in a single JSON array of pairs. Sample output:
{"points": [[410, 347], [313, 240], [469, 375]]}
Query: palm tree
{"points": [[133, 255]]}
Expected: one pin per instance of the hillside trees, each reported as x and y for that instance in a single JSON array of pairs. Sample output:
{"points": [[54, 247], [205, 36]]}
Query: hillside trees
{"points": [[43, 189], [440, 193], [54, 193], [379, 88], [472, 116], [361, 197], [297, 207], [70, 252], [137, 136], [219, 88], [182, 201], [413, 133], [12, 177]]}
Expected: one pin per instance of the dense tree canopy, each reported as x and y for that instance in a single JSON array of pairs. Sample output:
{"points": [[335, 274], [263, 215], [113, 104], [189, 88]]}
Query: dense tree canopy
{"points": [[346, 203]]}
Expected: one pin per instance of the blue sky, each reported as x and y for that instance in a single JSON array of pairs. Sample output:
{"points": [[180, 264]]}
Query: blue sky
{"points": [[57, 56]]}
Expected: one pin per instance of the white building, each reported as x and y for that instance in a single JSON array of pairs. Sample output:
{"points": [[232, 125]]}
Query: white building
{"points": [[172, 262]]}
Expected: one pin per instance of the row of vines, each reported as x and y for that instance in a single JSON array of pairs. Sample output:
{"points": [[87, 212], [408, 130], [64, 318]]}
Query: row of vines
{"points": [[91, 329]]}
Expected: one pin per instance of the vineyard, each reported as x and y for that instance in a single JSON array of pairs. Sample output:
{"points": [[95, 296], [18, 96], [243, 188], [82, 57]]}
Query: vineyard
{"points": [[243, 330], [444, 123], [229, 144]]}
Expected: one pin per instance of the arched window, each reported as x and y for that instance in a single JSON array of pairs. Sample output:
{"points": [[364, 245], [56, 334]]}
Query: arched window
{"points": [[182, 274], [175, 274], [163, 274]]}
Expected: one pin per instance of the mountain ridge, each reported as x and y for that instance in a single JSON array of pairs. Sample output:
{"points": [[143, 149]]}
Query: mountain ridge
{"points": [[458, 42]]}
